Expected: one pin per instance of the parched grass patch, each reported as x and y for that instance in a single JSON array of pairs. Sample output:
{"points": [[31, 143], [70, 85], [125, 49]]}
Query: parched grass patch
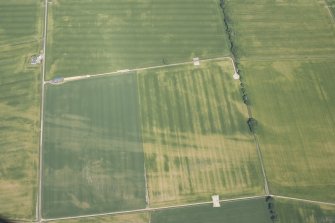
{"points": [[281, 29], [248, 211], [87, 36], [196, 140], [300, 212], [19, 133], [294, 104], [19, 108], [92, 152]]}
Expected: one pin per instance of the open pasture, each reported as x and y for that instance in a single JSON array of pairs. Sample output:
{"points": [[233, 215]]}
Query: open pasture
{"points": [[294, 104], [19, 108], [86, 37], [281, 29], [92, 152], [195, 137]]}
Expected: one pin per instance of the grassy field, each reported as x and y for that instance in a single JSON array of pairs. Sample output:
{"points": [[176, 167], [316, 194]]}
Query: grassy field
{"points": [[19, 107], [87, 36], [300, 212], [195, 136], [252, 211], [123, 218], [92, 158], [282, 29], [294, 103]]}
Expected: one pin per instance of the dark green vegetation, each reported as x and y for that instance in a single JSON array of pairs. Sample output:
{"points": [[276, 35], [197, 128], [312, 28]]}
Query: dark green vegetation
{"points": [[19, 107], [248, 211], [300, 212], [92, 158], [294, 103], [87, 36], [196, 140], [281, 29], [331, 5]]}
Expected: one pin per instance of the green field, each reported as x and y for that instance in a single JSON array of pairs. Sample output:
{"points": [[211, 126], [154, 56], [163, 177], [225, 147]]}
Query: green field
{"points": [[19, 107], [248, 211], [294, 104], [87, 36], [92, 153], [286, 50], [300, 212], [195, 136], [282, 29], [20, 22], [121, 218]]}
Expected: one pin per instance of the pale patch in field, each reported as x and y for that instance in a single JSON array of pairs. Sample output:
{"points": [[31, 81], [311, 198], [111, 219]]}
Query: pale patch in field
{"points": [[78, 203]]}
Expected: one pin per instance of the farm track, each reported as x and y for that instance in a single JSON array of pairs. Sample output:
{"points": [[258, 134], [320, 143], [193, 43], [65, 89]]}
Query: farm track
{"points": [[125, 71], [185, 205], [147, 198], [176, 206], [304, 200], [39, 199], [293, 58], [259, 152]]}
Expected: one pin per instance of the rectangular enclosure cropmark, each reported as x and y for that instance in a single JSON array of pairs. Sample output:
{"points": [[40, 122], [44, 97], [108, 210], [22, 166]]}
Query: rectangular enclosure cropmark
{"points": [[196, 140], [92, 152]]}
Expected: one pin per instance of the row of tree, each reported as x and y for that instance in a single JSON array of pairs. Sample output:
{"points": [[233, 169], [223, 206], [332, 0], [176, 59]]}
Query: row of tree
{"points": [[271, 208], [234, 52]]}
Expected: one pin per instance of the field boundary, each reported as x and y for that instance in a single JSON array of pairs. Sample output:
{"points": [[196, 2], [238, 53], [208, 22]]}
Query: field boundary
{"points": [[260, 156], [126, 71], [303, 200], [147, 198], [292, 58], [152, 209]]}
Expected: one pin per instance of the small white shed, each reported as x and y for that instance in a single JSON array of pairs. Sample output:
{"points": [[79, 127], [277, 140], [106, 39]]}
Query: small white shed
{"points": [[216, 201]]}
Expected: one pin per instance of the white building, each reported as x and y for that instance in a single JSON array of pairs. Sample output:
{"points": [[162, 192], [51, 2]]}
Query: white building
{"points": [[216, 201]]}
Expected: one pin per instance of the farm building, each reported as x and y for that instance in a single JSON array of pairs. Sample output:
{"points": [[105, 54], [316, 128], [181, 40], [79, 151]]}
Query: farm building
{"points": [[57, 80], [36, 59]]}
